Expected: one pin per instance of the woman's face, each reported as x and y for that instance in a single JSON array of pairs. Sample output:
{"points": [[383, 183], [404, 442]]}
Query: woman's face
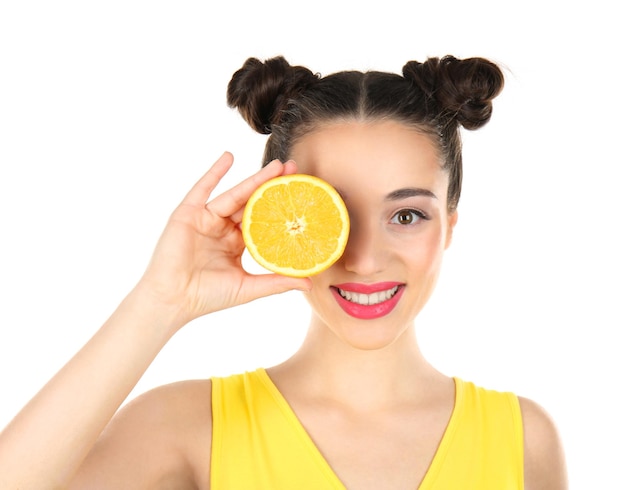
{"points": [[391, 180]]}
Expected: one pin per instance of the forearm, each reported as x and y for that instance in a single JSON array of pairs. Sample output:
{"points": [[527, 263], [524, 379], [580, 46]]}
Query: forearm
{"points": [[46, 442]]}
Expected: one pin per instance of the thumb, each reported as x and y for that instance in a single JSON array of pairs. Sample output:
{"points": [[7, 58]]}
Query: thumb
{"points": [[268, 284]]}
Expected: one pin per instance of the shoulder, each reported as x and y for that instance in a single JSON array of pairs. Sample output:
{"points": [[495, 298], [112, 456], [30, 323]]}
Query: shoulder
{"points": [[544, 460], [162, 437]]}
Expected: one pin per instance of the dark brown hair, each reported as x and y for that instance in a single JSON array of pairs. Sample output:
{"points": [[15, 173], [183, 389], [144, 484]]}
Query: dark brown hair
{"points": [[436, 97]]}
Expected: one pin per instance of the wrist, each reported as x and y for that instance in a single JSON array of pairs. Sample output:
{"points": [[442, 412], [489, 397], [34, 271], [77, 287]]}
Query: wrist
{"points": [[159, 317]]}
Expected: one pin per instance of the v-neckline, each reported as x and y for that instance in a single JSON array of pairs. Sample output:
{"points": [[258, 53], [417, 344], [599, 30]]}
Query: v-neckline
{"points": [[437, 460]]}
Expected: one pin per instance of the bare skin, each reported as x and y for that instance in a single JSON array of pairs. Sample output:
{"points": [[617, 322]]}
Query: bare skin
{"points": [[383, 396]]}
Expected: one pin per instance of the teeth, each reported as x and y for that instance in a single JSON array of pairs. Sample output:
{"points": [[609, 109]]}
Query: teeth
{"points": [[368, 299]]}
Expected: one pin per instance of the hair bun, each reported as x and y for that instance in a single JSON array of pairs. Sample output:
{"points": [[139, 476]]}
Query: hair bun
{"points": [[462, 88], [260, 90]]}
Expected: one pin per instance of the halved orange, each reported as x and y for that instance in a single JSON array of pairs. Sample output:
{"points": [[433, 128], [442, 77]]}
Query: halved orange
{"points": [[295, 225]]}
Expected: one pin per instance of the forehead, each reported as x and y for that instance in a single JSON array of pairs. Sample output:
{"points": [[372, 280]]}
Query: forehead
{"points": [[377, 157]]}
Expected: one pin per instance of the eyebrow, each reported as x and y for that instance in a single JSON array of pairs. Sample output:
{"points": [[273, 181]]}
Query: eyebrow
{"points": [[408, 192]]}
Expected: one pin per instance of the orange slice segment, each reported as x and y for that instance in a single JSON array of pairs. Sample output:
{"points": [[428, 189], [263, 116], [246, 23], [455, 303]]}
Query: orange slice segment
{"points": [[295, 225]]}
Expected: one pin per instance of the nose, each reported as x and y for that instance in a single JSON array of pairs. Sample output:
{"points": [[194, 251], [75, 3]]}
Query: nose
{"points": [[364, 252]]}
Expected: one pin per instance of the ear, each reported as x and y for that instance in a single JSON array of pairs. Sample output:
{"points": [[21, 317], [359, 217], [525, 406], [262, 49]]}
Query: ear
{"points": [[452, 219]]}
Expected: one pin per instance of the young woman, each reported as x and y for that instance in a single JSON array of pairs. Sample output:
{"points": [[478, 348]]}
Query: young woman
{"points": [[357, 406]]}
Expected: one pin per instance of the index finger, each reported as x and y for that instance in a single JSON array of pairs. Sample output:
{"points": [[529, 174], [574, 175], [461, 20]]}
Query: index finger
{"points": [[202, 189], [230, 202]]}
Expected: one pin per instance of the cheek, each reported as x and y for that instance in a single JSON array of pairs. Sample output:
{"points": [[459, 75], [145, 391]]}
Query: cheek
{"points": [[319, 290], [424, 254]]}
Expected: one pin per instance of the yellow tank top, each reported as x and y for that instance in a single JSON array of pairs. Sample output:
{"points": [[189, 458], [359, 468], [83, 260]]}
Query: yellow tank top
{"points": [[259, 443]]}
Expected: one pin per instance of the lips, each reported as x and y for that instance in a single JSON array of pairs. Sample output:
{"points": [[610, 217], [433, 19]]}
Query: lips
{"points": [[368, 301]]}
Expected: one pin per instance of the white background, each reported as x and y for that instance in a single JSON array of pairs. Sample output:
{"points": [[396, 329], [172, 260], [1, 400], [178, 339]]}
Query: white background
{"points": [[109, 112]]}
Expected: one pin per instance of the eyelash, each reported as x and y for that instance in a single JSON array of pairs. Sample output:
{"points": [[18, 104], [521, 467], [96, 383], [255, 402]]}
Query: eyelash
{"points": [[416, 213]]}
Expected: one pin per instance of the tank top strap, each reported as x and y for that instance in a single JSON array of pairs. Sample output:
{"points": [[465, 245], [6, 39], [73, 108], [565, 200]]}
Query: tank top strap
{"points": [[483, 446], [258, 442]]}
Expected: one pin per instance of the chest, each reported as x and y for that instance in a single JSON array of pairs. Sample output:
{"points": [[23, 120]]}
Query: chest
{"points": [[472, 441], [378, 450]]}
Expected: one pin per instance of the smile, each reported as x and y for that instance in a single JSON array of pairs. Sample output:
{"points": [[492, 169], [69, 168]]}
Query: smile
{"points": [[368, 299]]}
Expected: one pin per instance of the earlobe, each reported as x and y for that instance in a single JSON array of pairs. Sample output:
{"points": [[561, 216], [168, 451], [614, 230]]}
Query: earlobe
{"points": [[452, 219]]}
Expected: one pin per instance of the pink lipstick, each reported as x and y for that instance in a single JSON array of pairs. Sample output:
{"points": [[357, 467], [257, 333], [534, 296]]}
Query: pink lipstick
{"points": [[368, 301]]}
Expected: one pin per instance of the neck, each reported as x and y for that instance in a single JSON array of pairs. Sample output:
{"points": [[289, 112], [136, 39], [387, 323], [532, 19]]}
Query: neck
{"points": [[328, 367]]}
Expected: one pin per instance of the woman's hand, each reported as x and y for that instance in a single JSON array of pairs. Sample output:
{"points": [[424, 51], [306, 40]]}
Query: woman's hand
{"points": [[196, 267]]}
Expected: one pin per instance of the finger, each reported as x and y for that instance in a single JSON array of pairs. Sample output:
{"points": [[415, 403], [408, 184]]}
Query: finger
{"points": [[268, 284], [201, 191], [290, 167], [230, 202]]}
